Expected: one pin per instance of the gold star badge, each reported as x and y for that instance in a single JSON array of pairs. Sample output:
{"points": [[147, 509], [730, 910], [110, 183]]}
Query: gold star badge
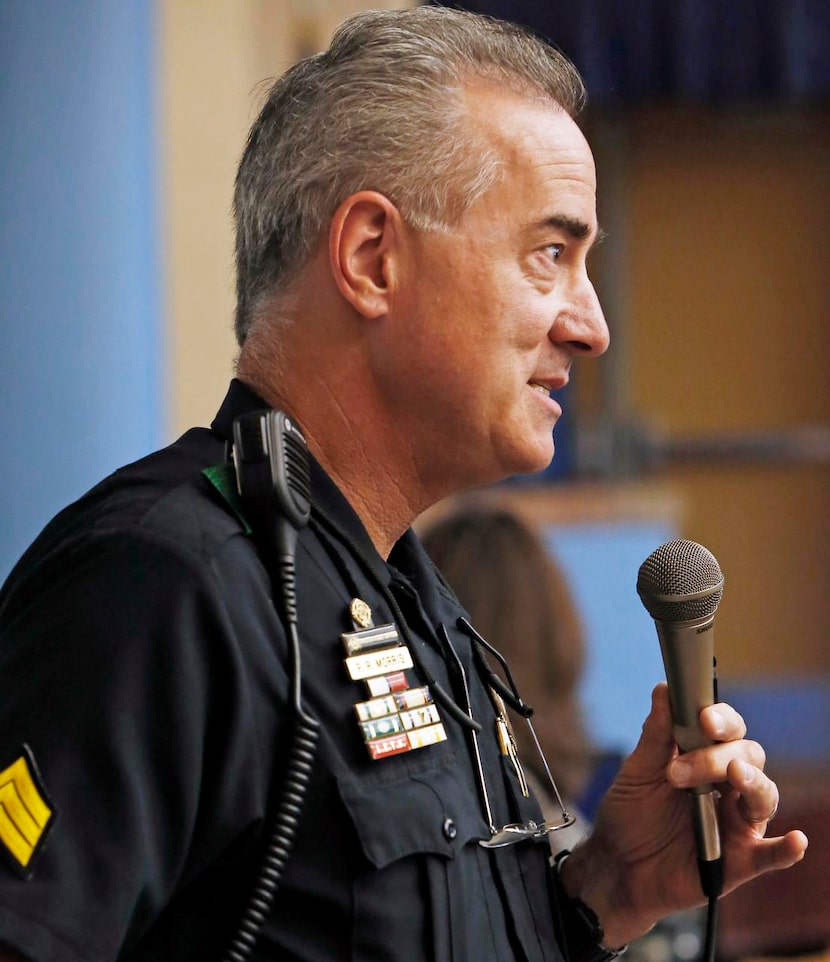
{"points": [[26, 814]]}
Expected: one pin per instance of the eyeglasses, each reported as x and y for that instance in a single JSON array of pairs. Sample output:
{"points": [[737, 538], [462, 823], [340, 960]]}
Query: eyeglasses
{"points": [[514, 832]]}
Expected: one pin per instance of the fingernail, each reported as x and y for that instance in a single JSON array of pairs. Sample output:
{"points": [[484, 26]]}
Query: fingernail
{"points": [[747, 771], [718, 722]]}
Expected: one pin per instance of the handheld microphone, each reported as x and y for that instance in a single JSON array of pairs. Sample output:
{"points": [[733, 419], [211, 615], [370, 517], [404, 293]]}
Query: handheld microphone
{"points": [[681, 584]]}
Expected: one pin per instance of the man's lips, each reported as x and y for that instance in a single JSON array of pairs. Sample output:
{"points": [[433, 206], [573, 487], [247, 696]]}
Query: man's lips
{"points": [[546, 385], [545, 390]]}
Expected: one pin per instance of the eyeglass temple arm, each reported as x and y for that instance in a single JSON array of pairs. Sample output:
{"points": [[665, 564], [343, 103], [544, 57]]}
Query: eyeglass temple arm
{"points": [[509, 693]]}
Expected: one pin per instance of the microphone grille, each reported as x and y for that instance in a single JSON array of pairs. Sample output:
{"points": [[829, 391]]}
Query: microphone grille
{"points": [[680, 581]]}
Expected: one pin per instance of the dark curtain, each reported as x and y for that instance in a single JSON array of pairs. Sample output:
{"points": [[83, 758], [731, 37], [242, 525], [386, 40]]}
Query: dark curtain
{"points": [[688, 51]]}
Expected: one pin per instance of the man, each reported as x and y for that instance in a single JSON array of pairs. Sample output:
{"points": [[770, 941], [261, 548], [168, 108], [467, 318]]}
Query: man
{"points": [[414, 212]]}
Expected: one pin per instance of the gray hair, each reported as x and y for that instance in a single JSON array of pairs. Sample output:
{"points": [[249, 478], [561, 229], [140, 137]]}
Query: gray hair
{"points": [[381, 109]]}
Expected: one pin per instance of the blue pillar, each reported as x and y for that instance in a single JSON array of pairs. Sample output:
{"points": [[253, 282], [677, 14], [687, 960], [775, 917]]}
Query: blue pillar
{"points": [[80, 355]]}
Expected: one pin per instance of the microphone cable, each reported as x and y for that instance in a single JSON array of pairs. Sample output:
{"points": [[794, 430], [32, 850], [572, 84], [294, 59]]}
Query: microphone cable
{"points": [[710, 940]]}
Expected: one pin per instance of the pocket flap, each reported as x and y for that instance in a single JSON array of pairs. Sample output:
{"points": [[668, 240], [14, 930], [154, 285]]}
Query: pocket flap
{"points": [[419, 811]]}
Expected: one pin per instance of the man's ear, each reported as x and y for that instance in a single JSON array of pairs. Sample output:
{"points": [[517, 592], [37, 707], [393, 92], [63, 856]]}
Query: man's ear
{"points": [[364, 245]]}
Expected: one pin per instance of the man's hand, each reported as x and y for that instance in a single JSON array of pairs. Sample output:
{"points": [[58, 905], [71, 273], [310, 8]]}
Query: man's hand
{"points": [[640, 863]]}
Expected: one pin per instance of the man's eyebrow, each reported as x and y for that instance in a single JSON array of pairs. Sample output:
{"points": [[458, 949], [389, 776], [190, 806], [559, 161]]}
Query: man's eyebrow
{"points": [[577, 228]]}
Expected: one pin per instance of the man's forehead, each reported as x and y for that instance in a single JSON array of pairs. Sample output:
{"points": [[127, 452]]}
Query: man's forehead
{"points": [[497, 108], [531, 131]]}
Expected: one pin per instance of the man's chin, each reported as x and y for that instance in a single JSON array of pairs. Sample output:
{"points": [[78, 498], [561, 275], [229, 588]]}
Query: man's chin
{"points": [[533, 460]]}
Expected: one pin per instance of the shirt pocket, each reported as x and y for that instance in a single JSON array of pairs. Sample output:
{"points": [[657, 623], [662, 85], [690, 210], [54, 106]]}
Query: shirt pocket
{"points": [[422, 810], [413, 824]]}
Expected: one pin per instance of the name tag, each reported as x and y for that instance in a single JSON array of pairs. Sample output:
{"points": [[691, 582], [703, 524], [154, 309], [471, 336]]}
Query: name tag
{"points": [[379, 662]]}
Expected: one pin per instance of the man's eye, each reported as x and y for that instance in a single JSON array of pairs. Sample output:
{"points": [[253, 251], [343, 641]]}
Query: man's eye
{"points": [[554, 251]]}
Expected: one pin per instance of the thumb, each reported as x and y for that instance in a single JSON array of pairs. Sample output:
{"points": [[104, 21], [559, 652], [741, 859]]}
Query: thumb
{"points": [[656, 745]]}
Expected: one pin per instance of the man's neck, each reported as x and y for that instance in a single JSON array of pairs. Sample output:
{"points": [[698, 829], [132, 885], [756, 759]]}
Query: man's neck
{"points": [[354, 447]]}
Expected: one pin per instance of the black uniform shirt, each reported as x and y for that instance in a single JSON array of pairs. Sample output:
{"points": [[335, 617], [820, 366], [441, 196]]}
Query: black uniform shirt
{"points": [[143, 663]]}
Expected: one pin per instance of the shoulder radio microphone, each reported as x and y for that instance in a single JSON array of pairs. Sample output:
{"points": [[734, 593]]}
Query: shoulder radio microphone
{"points": [[681, 584], [273, 477]]}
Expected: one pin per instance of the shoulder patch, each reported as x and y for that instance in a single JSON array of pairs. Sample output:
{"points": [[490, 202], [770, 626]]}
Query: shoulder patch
{"points": [[26, 814]]}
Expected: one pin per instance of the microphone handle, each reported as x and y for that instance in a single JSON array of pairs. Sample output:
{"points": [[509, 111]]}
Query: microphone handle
{"points": [[688, 658]]}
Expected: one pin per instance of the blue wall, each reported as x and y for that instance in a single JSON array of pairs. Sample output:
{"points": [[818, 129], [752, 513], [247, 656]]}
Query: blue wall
{"points": [[623, 662], [80, 366]]}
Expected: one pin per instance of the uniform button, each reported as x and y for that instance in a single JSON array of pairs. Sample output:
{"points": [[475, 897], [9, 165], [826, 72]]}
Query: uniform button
{"points": [[450, 829]]}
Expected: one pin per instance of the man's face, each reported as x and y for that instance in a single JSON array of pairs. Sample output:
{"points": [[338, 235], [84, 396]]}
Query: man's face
{"points": [[490, 315]]}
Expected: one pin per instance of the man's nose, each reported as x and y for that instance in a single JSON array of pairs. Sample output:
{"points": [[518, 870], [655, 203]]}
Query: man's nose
{"points": [[582, 324]]}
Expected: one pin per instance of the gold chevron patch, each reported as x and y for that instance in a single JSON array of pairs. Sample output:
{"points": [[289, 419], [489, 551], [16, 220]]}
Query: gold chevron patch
{"points": [[25, 812]]}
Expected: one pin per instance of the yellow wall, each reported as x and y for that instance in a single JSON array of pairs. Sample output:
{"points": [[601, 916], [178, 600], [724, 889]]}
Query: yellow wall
{"points": [[214, 58], [730, 330]]}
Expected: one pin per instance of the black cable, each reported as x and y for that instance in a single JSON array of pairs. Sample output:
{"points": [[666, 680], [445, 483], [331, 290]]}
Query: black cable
{"points": [[272, 470], [298, 773], [510, 693], [711, 881], [710, 941]]}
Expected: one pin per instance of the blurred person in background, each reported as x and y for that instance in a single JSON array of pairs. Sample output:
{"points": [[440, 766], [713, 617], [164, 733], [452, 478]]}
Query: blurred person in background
{"points": [[519, 599]]}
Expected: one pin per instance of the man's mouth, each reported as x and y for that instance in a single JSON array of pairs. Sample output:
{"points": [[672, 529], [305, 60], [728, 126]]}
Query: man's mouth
{"points": [[541, 388]]}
